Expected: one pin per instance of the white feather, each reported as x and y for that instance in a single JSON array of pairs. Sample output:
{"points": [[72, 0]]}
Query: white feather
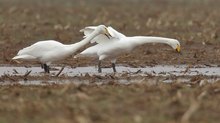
{"points": [[50, 51], [101, 38], [119, 44]]}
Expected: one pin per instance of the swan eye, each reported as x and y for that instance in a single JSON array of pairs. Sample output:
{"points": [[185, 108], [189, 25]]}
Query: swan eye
{"points": [[178, 48]]}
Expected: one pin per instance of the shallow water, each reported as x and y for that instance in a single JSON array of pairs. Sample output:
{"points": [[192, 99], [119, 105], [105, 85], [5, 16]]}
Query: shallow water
{"points": [[158, 70], [163, 73]]}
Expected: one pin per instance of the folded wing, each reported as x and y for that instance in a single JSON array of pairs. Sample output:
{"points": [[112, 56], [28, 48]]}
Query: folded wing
{"points": [[102, 38]]}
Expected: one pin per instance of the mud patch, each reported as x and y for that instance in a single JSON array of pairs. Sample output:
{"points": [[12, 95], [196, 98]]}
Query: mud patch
{"points": [[125, 75], [158, 70]]}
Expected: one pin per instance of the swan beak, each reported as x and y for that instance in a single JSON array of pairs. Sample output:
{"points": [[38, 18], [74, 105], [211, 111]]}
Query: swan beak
{"points": [[178, 49], [107, 34]]}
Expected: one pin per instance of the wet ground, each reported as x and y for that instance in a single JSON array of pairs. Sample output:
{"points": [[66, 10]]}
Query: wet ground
{"points": [[124, 75], [152, 80], [157, 70]]}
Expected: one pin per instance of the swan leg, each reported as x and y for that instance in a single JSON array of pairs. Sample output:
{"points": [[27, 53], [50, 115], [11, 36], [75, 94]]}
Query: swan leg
{"points": [[113, 67], [99, 66], [46, 68], [113, 61]]}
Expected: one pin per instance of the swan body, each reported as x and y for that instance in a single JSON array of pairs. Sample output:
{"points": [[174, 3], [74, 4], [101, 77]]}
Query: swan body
{"points": [[45, 51], [119, 43], [50, 51]]}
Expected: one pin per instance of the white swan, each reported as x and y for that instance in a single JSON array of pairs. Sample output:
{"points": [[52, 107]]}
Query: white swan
{"points": [[50, 51], [118, 44]]}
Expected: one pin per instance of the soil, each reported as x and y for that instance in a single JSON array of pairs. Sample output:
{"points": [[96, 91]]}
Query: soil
{"points": [[196, 24]]}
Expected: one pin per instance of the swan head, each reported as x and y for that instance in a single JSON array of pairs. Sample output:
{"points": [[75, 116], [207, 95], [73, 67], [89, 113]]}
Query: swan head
{"points": [[103, 30], [175, 44]]}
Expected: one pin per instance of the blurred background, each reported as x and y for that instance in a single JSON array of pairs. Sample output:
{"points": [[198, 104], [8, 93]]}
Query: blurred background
{"points": [[195, 23], [23, 22]]}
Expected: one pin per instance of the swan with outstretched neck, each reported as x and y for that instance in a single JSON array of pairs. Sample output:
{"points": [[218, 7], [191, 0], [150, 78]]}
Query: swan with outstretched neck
{"points": [[50, 51], [118, 44]]}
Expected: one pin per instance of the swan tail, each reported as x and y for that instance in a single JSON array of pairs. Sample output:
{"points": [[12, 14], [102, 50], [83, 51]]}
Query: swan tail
{"points": [[77, 56], [84, 55], [25, 57], [80, 56]]}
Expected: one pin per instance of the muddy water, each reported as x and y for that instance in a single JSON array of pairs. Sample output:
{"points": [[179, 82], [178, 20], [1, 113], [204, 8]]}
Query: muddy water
{"points": [[158, 70], [161, 73]]}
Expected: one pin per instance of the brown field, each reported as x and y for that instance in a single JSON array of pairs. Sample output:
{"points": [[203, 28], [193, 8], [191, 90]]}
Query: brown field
{"points": [[195, 23]]}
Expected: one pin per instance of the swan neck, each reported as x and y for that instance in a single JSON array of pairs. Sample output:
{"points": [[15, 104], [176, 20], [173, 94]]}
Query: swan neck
{"points": [[80, 44], [148, 39]]}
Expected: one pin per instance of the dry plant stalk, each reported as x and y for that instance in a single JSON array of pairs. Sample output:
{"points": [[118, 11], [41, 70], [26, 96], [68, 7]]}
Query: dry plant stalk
{"points": [[194, 106], [60, 72]]}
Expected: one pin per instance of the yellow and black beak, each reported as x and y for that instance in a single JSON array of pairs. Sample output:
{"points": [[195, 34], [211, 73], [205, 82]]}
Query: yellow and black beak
{"points": [[178, 48], [107, 33]]}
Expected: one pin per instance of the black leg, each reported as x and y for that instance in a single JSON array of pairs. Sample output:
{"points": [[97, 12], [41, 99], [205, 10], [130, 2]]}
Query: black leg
{"points": [[99, 67], [42, 66], [46, 68], [113, 67]]}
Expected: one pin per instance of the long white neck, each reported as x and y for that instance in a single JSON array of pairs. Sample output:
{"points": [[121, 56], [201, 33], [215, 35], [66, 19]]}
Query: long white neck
{"points": [[115, 33], [139, 40], [75, 47]]}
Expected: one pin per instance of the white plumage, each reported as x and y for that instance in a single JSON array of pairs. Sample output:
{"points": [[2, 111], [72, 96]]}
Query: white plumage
{"points": [[118, 44], [50, 51], [44, 51]]}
